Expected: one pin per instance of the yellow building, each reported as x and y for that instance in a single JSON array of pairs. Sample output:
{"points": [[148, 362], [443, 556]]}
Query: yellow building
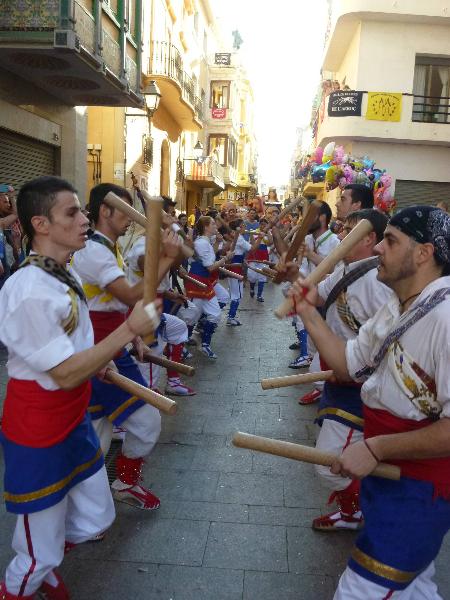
{"points": [[56, 58], [177, 36]]}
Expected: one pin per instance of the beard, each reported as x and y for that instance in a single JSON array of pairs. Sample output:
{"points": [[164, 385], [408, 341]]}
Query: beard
{"points": [[393, 275], [314, 227]]}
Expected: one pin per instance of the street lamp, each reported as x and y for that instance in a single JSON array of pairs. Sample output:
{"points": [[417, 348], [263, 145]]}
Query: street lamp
{"points": [[152, 97], [198, 151]]}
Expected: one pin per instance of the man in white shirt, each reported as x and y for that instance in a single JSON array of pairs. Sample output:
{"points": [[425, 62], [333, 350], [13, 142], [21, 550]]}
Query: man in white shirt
{"points": [[402, 356]]}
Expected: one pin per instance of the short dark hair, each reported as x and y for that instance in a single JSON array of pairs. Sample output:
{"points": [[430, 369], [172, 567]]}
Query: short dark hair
{"points": [[361, 193], [235, 224], [325, 210], [37, 198], [378, 220], [98, 194]]}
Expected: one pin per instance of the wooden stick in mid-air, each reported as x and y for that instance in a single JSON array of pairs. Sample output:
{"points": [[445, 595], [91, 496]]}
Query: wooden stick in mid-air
{"points": [[363, 228], [260, 271], [279, 382], [162, 361], [231, 274], [153, 207], [164, 404], [185, 275], [311, 216], [303, 453]]}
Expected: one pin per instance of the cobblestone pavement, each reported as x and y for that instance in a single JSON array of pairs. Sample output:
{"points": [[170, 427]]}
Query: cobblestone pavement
{"points": [[233, 525]]}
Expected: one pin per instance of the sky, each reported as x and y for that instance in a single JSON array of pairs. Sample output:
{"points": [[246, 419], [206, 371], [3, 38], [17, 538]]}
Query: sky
{"points": [[282, 50]]}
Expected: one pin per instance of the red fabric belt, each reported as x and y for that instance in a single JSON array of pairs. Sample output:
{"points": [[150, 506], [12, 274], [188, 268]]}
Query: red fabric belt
{"points": [[105, 323], [39, 418], [194, 291], [434, 470], [259, 254]]}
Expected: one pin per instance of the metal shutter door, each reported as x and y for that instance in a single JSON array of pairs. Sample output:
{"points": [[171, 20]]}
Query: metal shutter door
{"points": [[420, 192], [22, 158]]}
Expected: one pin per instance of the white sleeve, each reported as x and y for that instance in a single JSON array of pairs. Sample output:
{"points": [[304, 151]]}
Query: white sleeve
{"points": [[359, 351], [205, 252], [97, 265], [324, 288], [137, 250], [441, 356], [243, 245], [45, 344]]}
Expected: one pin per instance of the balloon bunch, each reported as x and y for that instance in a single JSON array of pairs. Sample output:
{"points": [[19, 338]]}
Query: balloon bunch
{"points": [[338, 169]]}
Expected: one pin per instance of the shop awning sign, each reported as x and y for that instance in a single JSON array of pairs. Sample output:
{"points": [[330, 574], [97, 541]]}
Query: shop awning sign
{"points": [[345, 104]]}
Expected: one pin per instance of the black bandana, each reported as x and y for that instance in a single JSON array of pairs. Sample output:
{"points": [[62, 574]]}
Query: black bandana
{"points": [[426, 224]]}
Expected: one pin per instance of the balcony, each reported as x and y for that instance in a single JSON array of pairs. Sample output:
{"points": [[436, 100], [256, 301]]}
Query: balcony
{"points": [[76, 56], [179, 101], [205, 174], [231, 176], [422, 121]]}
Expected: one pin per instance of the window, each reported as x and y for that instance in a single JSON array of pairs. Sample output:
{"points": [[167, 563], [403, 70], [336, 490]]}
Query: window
{"points": [[218, 147], [220, 94], [232, 153], [431, 90]]}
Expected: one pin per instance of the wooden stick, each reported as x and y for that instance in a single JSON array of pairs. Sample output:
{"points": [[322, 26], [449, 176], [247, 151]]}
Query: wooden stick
{"points": [[164, 404], [184, 275], [260, 271], [114, 201], [303, 453], [162, 361], [363, 228], [310, 217], [231, 274], [279, 382], [152, 244]]}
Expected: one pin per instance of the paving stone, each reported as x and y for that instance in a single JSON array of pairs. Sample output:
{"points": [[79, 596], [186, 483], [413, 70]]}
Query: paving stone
{"points": [[314, 553], [204, 511], [218, 425], [150, 540], [285, 586], [226, 460], [278, 465], [86, 579], [283, 429], [184, 424], [241, 546], [171, 456], [305, 492], [182, 485], [250, 489], [193, 583], [256, 410], [280, 515], [193, 439]]}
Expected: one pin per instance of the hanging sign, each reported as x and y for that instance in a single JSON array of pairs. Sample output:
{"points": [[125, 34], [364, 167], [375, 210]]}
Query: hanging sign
{"points": [[345, 104], [384, 106], [219, 113]]}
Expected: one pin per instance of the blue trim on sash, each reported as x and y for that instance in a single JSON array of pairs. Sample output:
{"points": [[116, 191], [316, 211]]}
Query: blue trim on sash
{"points": [[197, 268], [38, 478], [109, 400], [346, 398], [403, 531]]}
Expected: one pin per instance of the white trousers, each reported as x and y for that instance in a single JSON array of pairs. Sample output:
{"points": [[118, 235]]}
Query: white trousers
{"points": [[86, 511], [236, 288], [315, 367], [354, 587], [189, 314], [174, 332], [143, 428], [222, 295], [334, 437], [253, 276], [211, 308]]}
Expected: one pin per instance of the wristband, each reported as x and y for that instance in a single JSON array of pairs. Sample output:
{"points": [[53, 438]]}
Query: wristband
{"points": [[152, 314], [371, 451]]}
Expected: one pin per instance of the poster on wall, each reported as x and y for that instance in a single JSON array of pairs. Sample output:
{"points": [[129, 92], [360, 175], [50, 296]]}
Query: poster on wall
{"points": [[384, 106], [345, 104]]}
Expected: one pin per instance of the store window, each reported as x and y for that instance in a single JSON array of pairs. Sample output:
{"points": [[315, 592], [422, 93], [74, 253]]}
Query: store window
{"points": [[431, 90], [220, 94]]}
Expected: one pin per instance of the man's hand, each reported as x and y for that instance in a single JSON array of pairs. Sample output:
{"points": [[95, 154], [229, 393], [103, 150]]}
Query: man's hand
{"points": [[101, 374], [139, 347], [171, 243], [288, 269], [305, 297], [356, 462], [140, 323]]}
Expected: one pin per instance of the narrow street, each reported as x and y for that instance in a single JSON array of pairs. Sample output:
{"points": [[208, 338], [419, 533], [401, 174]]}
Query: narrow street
{"points": [[232, 524]]}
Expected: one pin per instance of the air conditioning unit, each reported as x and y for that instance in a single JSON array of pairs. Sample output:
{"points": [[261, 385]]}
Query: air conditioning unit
{"points": [[67, 39]]}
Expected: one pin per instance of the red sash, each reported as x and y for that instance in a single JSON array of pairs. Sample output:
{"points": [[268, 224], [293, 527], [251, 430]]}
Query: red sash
{"points": [[434, 470], [105, 323], [194, 291], [259, 254], [235, 268], [39, 418]]}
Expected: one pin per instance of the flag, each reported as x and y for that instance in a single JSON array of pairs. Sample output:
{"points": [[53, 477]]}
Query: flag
{"points": [[345, 104], [384, 106]]}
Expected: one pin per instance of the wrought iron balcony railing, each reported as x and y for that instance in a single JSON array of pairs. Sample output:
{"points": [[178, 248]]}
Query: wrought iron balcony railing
{"points": [[431, 109]]}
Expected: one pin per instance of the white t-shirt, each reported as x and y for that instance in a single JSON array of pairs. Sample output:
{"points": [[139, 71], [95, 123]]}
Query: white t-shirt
{"points": [[364, 297], [97, 266], [133, 271], [242, 246], [427, 343], [322, 245], [34, 306], [204, 251]]}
